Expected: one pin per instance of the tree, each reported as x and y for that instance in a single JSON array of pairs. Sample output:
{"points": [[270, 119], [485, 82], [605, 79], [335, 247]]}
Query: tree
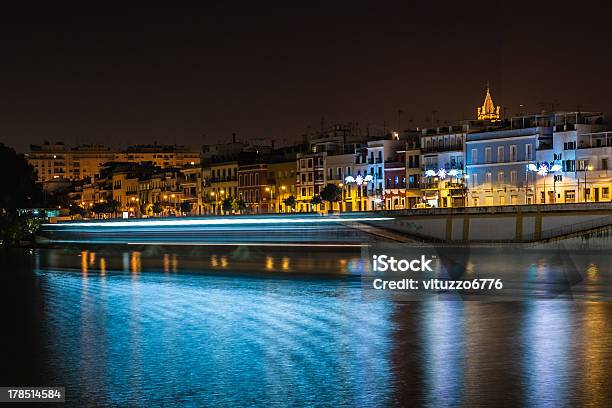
{"points": [[19, 187], [186, 207], [15, 228], [112, 207], [19, 191], [290, 202], [316, 200], [157, 208], [239, 205], [99, 208], [331, 193], [228, 204], [76, 210]]}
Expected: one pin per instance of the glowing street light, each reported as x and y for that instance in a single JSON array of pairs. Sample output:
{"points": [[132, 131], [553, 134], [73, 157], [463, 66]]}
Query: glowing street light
{"points": [[543, 169]]}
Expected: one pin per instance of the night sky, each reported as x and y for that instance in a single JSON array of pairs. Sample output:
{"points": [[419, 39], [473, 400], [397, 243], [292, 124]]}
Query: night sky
{"points": [[193, 76]]}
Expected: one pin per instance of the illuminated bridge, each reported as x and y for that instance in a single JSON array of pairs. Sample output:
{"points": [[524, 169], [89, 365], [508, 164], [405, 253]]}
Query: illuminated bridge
{"points": [[286, 230]]}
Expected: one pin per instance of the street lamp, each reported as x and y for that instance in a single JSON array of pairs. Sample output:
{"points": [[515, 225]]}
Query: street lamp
{"points": [[281, 196], [543, 169], [359, 181], [587, 167], [268, 190]]}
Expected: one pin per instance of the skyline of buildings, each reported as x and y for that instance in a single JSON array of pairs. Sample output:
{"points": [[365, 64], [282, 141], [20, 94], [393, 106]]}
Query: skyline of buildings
{"points": [[552, 157]]}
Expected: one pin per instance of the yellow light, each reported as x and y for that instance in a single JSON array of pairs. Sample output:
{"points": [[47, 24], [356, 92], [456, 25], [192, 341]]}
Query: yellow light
{"points": [[283, 188], [165, 196], [341, 185], [222, 191], [267, 188], [590, 167], [138, 199], [172, 196], [133, 198], [212, 193]]}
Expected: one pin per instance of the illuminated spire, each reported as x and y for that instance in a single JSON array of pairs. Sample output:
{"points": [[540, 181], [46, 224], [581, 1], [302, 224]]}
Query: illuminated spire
{"points": [[488, 111]]}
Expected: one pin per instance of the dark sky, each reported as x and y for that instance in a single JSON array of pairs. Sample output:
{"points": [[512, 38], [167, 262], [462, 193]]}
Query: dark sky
{"points": [[196, 75]]}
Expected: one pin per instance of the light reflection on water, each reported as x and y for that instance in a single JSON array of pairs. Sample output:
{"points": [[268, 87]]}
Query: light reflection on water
{"points": [[121, 335]]}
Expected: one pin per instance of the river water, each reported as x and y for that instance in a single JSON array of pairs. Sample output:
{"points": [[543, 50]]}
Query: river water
{"points": [[265, 327]]}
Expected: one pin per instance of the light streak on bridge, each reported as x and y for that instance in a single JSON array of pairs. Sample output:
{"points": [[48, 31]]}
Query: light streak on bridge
{"points": [[290, 230]]}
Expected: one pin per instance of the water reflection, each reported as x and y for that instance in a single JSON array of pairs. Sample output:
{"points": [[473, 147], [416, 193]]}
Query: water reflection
{"points": [[546, 342], [232, 339], [223, 340], [443, 351], [594, 346]]}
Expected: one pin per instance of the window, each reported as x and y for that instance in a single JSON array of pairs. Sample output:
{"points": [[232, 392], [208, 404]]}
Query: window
{"points": [[500, 154], [309, 163], [474, 156], [605, 192], [488, 179], [500, 178], [528, 152], [412, 182], [569, 165], [474, 180], [513, 153], [513, 177], [487, 155], [604, 164]]}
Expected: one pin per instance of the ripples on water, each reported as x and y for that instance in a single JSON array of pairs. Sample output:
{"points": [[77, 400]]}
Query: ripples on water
{"points": [[132, 329]]}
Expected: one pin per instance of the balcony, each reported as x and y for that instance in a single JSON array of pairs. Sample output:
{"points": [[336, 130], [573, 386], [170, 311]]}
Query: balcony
{"points": [[221, 179], [595, 140], [439, 149]]}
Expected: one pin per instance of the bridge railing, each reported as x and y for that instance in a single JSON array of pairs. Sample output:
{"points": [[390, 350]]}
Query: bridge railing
{"points": [[568, 229]]}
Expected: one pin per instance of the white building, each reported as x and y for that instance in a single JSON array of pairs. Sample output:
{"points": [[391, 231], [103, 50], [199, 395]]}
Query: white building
{"points": [[576, 168]]}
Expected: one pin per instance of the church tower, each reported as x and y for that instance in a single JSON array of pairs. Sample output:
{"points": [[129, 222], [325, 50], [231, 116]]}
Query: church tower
{"points": [[488, 111]]}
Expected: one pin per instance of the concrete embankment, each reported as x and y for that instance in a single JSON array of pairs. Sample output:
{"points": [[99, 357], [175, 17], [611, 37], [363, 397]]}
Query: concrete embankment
{"points": [[526, 223]]}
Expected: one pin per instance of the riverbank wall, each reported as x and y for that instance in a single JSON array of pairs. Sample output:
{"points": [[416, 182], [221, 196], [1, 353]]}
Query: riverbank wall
{"points": [[524, 223]]}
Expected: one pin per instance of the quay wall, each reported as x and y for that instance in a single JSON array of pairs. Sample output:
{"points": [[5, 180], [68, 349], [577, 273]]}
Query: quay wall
{"points": [[505, 223]]}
